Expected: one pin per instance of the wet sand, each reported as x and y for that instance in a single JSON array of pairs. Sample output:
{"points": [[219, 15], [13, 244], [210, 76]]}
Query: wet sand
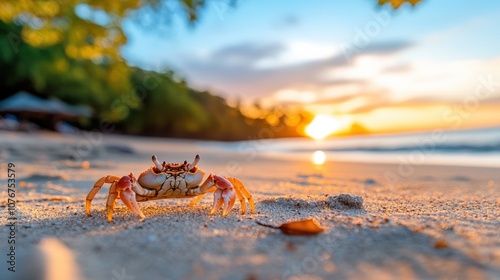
{"points": [[435, 222]]}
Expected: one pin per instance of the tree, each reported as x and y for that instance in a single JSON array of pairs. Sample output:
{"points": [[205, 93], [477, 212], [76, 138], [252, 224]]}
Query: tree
{"points": [[88, 29], [397, 3]]}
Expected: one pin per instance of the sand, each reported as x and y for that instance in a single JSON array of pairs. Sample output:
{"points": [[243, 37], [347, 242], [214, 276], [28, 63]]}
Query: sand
{"points": [[438, 222]]}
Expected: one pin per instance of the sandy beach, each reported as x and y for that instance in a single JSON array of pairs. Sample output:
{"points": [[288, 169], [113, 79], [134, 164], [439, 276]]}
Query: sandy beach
{"points": [[439, 222]]}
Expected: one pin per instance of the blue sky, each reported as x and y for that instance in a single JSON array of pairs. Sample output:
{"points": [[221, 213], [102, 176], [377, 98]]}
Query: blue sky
{"points": [[296, 51], [471, 28]]}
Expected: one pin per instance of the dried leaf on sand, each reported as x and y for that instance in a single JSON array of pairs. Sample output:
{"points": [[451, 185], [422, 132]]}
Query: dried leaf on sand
{"points": [[302, 227]]}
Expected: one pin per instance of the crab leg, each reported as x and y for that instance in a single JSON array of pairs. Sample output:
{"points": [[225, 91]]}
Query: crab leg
{"points": [[96, 188], [218, 187], [209, 183], [111, 201], [198, 198], [138, 189], [241, 190], [241, 198]]}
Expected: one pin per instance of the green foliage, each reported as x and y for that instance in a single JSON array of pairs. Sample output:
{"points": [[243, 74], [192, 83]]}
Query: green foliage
{"points": [[136, 101], [73, 23], [397, 3], [50, 49]]}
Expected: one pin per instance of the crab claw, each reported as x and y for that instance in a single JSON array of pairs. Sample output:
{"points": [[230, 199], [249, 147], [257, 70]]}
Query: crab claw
{"points": [[218, 201], [127, 195], [224, 194]]}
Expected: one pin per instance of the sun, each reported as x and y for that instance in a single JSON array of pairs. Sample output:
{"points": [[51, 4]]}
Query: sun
{"points": [[324, 125]]}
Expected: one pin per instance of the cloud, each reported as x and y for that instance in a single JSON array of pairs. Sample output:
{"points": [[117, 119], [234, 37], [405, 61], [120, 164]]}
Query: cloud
{"points": [[494, 100], [246, 53], [421, 102], [388, 47], [377, 82], [348, 104], [398, 68], [388, 104], [288, 21], [234, 70]]}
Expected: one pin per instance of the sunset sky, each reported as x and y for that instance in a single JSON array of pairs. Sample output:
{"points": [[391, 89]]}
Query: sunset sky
{"points": [[414, 69]]}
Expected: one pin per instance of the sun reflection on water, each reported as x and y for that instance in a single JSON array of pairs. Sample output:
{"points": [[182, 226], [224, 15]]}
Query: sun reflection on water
{"points": [[318, 157]]}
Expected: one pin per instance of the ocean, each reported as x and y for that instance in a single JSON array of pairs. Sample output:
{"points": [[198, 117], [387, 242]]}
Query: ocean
{"points": [[473, 147]]}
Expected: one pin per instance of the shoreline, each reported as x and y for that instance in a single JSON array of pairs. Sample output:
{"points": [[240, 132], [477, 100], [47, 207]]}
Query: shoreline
{"points": [[439, 222], [252, 147]]}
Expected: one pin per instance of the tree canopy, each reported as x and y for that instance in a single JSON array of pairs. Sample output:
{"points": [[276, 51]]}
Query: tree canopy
{"points": [[397, 3]]}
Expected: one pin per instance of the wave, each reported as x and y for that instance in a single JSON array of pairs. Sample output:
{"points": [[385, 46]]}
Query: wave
{"points": [[473, 147]]}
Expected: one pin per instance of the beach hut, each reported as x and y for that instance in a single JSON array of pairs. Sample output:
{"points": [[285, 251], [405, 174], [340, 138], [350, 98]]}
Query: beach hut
{"points": [[24, 103], [29, 107]]}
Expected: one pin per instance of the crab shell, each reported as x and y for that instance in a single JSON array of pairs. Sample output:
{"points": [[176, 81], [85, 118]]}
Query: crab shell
{"points": [[172, 181]]}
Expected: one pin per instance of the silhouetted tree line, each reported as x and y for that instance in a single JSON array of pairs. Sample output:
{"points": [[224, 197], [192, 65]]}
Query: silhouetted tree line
{"points": [[136, 101]]}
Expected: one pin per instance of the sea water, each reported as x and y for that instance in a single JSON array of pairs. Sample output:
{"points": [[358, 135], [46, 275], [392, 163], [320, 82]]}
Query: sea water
{"points": [[474, 147]]}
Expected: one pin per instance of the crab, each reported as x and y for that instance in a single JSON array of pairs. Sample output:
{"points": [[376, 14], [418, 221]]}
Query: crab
{"points": [[171, 180]]}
